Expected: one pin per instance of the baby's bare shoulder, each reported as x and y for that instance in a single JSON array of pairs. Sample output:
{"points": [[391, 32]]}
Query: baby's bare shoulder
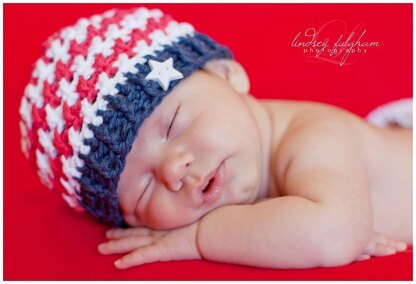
{"points": [[319, 128], [318, 137], [295, 124]]}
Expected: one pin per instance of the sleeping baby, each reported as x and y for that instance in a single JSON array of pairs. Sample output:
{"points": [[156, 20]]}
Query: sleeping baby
{"points": [[149, 126]]}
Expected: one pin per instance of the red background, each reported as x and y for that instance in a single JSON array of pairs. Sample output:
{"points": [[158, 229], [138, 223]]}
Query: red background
{"points": [[45, 239]]}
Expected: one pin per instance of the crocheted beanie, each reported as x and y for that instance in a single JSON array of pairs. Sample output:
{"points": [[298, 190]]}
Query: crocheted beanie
{"points": [[90, 92]]}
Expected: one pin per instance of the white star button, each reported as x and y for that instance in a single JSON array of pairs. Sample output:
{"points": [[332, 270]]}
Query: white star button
{"points": [[163, 72]]}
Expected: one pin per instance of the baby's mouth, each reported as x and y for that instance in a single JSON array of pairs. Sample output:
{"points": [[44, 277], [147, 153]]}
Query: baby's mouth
{"points": [[206, 189], [214, 187]]}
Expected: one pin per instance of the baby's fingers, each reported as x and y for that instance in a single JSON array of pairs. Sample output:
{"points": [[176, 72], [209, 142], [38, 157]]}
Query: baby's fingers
{"points": [[379, 249], [381, 245], [122, 233], [141, 256], [124, 245], [397, 245], [363, 257]]}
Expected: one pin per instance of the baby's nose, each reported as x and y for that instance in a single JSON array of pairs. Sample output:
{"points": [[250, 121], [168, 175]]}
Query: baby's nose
{"points": [[175, 168]]}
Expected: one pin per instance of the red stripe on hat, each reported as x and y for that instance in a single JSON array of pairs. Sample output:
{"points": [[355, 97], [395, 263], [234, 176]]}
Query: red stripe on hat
{"points": [[124, 47], [61, 143], [72, 115], [38, 119], [49, 94], [152, 25], [86, 88], [62, 70], [76, 48], [104, 64]]}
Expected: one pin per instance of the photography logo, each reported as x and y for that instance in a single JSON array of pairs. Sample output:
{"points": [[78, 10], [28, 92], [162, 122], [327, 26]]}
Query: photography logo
{"points": [[333, 43]]}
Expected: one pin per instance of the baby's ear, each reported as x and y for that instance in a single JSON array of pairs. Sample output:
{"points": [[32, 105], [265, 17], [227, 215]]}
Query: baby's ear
{"points": [[231, 71]]}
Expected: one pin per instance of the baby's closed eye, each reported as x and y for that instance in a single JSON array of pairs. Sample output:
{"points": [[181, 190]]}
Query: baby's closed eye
{"points": [[172, 121]]}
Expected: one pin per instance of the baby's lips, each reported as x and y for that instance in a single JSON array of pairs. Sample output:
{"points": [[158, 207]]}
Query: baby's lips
{"points": [[196, 191], [215, 186], [197, 195]]}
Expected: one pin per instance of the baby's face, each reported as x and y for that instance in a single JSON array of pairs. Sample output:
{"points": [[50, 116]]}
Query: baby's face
{"points": [[200, 149]]}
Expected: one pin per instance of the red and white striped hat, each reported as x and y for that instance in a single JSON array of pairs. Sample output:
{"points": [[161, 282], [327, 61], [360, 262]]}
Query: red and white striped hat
{"points": [[90, 92]]}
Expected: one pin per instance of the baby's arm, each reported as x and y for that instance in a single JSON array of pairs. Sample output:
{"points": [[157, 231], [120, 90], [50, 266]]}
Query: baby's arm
{"points": [[144, 245]]}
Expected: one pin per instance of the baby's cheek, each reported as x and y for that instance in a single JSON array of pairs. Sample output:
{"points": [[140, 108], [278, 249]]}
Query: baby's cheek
{"points": [[163, 213]]}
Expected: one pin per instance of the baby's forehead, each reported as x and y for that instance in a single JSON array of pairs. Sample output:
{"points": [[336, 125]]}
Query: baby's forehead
{"points": [[196, 85]]}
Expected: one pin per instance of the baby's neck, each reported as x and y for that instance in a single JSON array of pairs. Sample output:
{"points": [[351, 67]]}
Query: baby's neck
{"points": [[263, 120]]}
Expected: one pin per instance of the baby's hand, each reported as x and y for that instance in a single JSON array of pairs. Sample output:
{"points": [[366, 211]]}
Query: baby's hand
{"points": [[380, 245], [144, 245]]}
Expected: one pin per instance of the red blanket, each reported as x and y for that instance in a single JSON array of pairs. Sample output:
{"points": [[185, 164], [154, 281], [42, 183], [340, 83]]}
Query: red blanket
{"points": [[45, 240]]}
